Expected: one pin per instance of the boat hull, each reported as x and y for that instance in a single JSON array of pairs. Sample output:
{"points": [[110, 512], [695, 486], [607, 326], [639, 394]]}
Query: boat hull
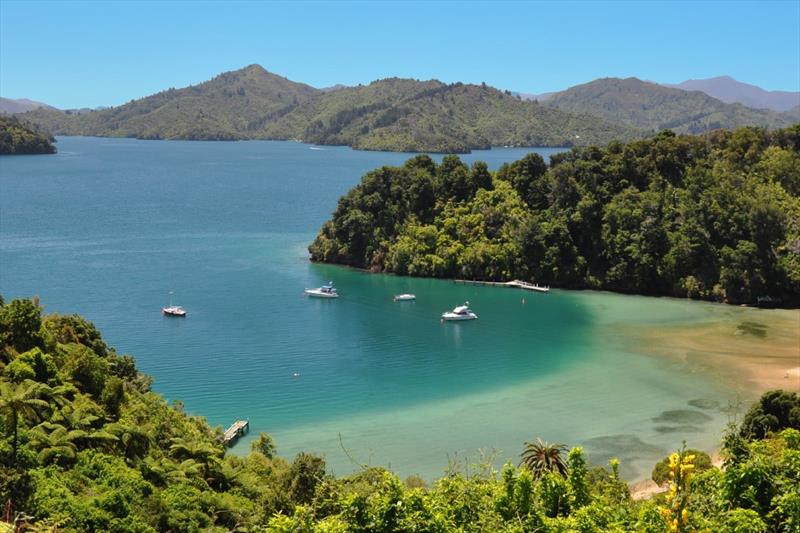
{"points": [[313, 293], [452, 317]]}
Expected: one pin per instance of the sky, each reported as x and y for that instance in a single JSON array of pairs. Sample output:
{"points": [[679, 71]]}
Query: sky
{"points": [[90, 54]]}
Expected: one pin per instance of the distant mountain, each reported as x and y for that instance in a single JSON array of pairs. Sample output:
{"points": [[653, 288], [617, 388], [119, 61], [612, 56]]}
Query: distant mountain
{"points": [[730, 91], [392, 114], [649, 106], [10, 106]]}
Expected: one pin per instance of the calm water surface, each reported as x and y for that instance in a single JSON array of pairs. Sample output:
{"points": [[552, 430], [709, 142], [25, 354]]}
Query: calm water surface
{"points": [[107, 227]]}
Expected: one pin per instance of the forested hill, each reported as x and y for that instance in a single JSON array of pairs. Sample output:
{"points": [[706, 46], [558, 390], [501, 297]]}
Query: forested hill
{"points": [[652, 107], [713, 217], [392, 114], [19, 139]]}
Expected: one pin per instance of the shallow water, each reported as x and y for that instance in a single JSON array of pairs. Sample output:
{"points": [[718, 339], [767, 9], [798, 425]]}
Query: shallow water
{"points": [[108, 227]]}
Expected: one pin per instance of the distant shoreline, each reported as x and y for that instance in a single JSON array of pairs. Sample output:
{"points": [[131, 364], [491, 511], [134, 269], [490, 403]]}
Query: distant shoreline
{"points": [[309, 143]]}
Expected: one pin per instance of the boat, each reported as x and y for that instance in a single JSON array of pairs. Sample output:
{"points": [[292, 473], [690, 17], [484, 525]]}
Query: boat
{"points": [[173, 310], [404, 297], [462, 312], [326, 291]]}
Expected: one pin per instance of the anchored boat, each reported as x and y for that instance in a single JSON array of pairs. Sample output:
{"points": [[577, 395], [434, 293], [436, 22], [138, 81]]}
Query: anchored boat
{"points": [[462, 312], [326, 291]]}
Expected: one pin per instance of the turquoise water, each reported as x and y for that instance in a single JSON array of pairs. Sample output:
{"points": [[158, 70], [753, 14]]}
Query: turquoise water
{"points": [[107, 227]]}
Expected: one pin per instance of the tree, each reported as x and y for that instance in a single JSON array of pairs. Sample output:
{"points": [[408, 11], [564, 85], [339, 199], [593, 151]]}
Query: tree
{"points": [[20, 322], [775, 410], [540, 457], [21, 402], [264, 444]]}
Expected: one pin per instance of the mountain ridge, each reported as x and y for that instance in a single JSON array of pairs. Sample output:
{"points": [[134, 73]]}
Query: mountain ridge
{"points": [[730, 90], [391, 114], [652, 107]]}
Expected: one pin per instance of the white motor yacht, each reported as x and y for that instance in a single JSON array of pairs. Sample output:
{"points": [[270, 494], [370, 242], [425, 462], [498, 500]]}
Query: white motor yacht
{"points": [[462, 312], [404, 297], [326, 291]]}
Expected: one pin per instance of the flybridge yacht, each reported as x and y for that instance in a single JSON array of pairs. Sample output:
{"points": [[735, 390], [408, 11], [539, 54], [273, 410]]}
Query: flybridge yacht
{"points": [[462, 312], [326, 291]]}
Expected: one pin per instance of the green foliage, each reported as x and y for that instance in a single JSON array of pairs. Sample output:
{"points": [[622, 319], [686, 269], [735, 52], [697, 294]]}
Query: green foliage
{"points": [[702, 462], [20, 322], [776, 410], [710, 217], [265, 445], [17, 138]]}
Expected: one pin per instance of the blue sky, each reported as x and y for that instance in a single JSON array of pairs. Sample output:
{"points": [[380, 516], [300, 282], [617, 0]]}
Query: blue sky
{"points": [[88, 54]]}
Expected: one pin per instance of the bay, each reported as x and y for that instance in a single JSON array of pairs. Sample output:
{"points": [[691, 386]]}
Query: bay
{"points": [[108, 227]]}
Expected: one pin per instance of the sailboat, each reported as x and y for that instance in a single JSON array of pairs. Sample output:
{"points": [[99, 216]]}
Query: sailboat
{"points": [[173, 310]]}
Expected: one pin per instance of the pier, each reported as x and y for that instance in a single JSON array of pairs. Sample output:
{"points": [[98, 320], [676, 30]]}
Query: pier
{"points": [[237, 429], [516, 284]]}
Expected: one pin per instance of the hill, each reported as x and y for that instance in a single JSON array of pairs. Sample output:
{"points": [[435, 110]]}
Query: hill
{"points": [[10, 106], [731, 91], [392, 114], [19, 139], [709, 217], [652, 107], [410, 115]]}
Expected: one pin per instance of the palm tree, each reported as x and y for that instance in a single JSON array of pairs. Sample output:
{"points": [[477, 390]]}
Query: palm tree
{"points": [[540, 457], [21, 401], [207, 455], [56, 444], [133, 442]]}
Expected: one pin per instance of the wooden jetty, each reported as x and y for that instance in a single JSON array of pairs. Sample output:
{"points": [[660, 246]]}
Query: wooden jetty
{"points": [[237, 429], [516, 284]]}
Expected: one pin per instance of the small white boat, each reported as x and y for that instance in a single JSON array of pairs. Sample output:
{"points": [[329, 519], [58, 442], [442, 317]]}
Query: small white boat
{"points": [[173, 310], [326, 291], [462, 312], [404, 297]]}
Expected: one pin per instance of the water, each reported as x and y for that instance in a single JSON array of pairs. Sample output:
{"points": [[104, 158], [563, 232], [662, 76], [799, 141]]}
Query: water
{"points": [[107, 227]]}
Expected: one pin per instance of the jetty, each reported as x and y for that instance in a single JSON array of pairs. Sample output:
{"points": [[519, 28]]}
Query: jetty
{"points": [[515, 284], [236, 430]]}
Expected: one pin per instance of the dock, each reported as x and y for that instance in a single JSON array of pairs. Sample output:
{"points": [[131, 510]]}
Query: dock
{"points": [[516, 284], [235, 431]]}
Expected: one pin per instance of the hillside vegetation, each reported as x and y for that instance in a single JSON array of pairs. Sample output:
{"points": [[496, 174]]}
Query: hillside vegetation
{"points": [[652, 107], [712, 217], [19, 139], [393, 114], [87, 447]]}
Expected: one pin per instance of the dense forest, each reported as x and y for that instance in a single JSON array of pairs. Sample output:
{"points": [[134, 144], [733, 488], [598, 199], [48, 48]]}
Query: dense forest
{"points": [[652, 107], [19, 139], [712, 217], [88, 447]]}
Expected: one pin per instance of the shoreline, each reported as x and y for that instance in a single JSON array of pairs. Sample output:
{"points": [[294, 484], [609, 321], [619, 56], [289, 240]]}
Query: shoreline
{"points": [[566, 289]]}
